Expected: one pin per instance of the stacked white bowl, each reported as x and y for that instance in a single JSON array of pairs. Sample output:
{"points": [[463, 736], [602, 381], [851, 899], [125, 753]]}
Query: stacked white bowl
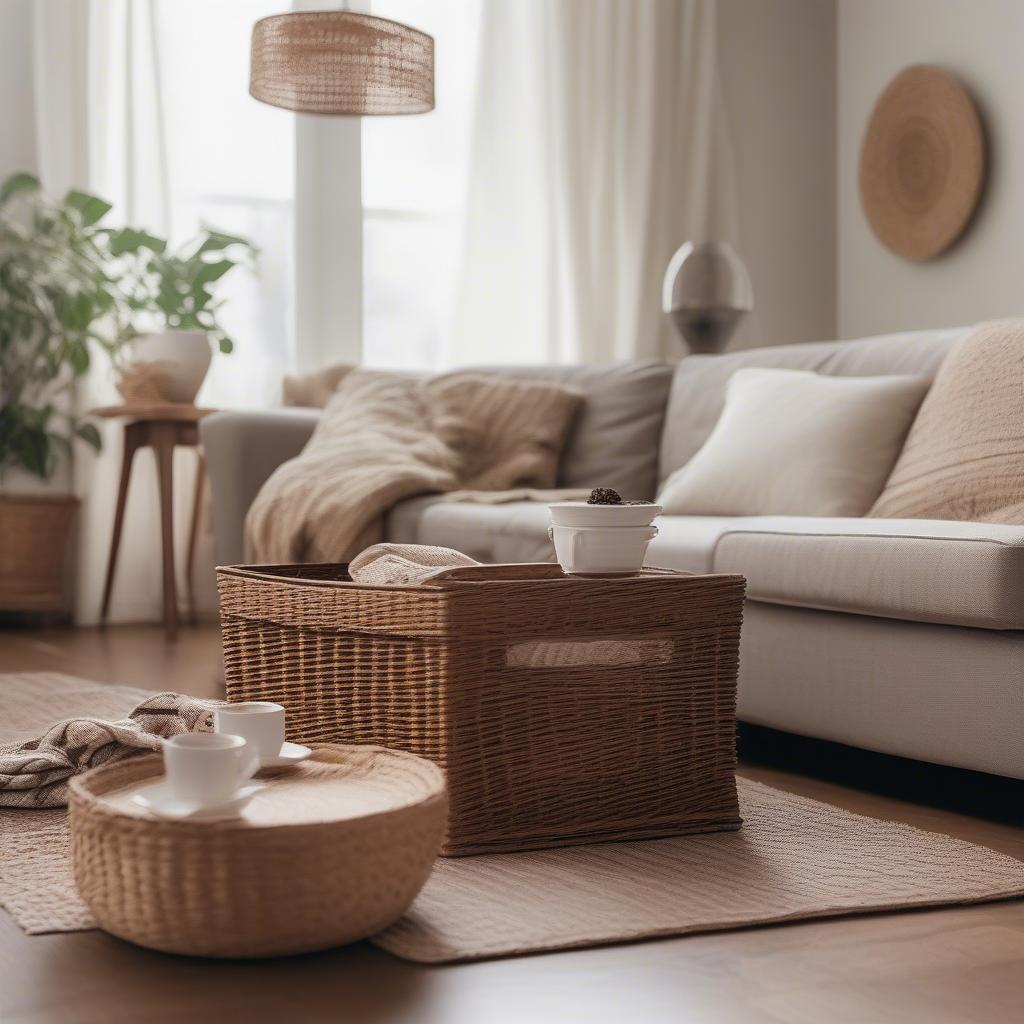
{"points": [[602, 540]]}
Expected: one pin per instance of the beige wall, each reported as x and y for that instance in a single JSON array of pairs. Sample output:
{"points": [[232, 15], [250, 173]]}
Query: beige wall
{"points": [[777, 64], [17, 137], [982, 41]]}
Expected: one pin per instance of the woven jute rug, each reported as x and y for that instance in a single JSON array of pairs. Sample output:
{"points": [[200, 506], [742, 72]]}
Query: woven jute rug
{"points": [[793, 859]]}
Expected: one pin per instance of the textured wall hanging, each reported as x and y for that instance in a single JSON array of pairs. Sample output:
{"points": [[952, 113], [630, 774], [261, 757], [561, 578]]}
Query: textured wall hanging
{"points": [[922, 163]]}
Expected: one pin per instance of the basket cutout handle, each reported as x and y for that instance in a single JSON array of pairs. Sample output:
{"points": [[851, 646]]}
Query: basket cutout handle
{"points": [[578, 652]]}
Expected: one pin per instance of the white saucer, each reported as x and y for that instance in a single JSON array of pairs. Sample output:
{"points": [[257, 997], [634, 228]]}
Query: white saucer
{"points": [[157, 798], [290, 753]]}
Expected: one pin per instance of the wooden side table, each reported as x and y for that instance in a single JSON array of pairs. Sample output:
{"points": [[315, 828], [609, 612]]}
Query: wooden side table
{"points": [[161, 427]]}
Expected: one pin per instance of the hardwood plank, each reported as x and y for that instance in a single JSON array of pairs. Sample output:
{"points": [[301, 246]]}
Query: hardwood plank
{"points": [[954, 965]]}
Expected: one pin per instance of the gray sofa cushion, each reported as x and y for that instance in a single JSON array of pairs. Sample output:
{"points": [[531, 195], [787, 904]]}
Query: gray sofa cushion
{"points": [[963, 574], [516, 531], [924, 570], [614, 441], [698, 387]]}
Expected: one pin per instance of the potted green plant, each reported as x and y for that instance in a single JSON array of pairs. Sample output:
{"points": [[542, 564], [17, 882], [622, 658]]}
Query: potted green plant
{"points": [[173, 294], [57, 297]]}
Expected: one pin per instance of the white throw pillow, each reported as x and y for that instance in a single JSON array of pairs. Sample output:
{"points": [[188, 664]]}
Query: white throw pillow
{"points": [[792, 442]]}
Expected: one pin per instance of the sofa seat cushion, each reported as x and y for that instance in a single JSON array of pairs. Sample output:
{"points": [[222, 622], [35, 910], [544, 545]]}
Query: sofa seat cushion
{"points": [[687, 543], [963, 574], [922, 570], [516, 531]]}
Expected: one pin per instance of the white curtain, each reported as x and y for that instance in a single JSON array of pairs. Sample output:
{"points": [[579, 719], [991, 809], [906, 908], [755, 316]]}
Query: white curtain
{"points": [[99, 126], [599, 147]]}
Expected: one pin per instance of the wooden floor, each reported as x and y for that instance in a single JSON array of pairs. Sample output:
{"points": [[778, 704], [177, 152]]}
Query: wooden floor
{"points": [[931, 967]]}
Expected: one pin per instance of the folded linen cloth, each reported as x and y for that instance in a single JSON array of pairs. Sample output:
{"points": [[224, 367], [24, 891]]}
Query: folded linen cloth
{"points": [[404, 564], [35, 773], [384, 437]]}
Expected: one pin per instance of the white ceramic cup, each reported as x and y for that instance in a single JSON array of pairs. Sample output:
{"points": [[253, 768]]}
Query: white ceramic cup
{"points": [[206, 768], [602, 550], [260, 722]]}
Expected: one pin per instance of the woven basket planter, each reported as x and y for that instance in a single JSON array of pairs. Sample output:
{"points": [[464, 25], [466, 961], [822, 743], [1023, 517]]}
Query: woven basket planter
{"points": [[332, 851], [564, 710], [35, 530]]}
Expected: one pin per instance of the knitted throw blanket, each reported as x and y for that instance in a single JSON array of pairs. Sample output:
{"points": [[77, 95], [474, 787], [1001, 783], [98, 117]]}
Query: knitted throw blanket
{"points": [[385, 437], [35, 773]]}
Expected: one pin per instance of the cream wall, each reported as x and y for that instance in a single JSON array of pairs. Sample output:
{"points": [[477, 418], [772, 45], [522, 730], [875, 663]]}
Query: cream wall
{"points": [[17, 137], [777, 65], [982, 41]]}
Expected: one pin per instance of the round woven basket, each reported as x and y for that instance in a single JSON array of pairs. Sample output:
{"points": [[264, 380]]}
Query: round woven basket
{"points": [[329, 852]]}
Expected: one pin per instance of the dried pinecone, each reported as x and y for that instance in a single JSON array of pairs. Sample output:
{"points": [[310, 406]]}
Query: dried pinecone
{"points": [[604, 496]]}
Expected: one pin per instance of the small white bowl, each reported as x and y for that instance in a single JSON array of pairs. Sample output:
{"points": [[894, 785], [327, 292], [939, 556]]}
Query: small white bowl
{"points": [[602, 550], [579, 513]]}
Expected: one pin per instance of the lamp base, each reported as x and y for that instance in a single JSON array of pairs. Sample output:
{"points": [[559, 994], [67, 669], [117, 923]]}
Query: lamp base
{"points": [[706, 331]]}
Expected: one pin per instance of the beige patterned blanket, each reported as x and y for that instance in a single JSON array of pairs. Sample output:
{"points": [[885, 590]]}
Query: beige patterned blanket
{"points": [[385, 437], [34, 772]]}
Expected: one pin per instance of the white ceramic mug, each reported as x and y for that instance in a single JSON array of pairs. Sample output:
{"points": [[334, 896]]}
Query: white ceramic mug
{"points": [[601, 550], [260, 722], [206, 768]]}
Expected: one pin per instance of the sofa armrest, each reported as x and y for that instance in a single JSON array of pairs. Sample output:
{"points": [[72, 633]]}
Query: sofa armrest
{"points": [[242, 449]]}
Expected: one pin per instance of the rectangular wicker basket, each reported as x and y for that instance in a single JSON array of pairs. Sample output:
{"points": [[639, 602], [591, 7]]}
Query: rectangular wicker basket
{"points": [[564, 710]]}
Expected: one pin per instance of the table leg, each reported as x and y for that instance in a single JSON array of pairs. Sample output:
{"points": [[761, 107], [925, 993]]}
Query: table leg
{"points": [[163, 438], [190, 566], [133, 440]]}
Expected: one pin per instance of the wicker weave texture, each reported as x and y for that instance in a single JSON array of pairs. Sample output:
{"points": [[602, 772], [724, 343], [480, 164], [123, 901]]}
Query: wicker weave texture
{"points": [[538, 753], [34, 533], [330, 852], [341, 62]]}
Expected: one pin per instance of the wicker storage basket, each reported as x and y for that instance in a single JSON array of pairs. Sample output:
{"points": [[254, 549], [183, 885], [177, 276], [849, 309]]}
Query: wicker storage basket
{"points": [[34, 535], [564, 710], [331, 851]]}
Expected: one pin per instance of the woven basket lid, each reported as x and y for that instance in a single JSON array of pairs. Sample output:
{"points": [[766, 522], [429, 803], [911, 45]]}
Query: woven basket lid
{"points": [[922, 163], [340, 62]]}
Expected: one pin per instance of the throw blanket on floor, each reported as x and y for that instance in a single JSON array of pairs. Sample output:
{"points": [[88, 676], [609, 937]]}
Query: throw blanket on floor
{"points": [[385, 437], [36, 773]]}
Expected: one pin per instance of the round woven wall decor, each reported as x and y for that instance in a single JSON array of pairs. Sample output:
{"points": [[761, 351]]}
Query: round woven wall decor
{"points": [[922, 163]]}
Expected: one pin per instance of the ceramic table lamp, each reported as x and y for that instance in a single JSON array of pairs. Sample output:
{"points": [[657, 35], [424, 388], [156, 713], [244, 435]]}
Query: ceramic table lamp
{"points": [[706, 292], [341, 63]]}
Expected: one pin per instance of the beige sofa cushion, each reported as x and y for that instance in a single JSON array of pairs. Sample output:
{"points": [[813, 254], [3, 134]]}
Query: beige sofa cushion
{"points": [[963, 574], [698, 387], [964, 458], [613, 441], [515, 531], [518, 532], [792, 442]]}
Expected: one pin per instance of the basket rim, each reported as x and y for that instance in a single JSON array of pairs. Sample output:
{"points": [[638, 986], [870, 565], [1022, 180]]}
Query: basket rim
{"points": [[433, 779], [652, 575]]}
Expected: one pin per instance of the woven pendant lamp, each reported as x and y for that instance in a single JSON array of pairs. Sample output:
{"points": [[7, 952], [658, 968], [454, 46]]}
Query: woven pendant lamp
{"points": [[341, 63]]}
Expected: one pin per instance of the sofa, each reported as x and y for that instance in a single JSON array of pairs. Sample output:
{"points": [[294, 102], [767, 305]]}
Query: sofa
{"points": [[904, 636]]}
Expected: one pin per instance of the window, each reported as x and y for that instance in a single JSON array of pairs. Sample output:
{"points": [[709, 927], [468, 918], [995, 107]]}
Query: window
{"points": [[414, 184], [230, 164]]}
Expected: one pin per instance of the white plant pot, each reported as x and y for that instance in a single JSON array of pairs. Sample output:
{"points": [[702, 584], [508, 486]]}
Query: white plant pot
{"points": [[602, 550], [179, 360]]}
